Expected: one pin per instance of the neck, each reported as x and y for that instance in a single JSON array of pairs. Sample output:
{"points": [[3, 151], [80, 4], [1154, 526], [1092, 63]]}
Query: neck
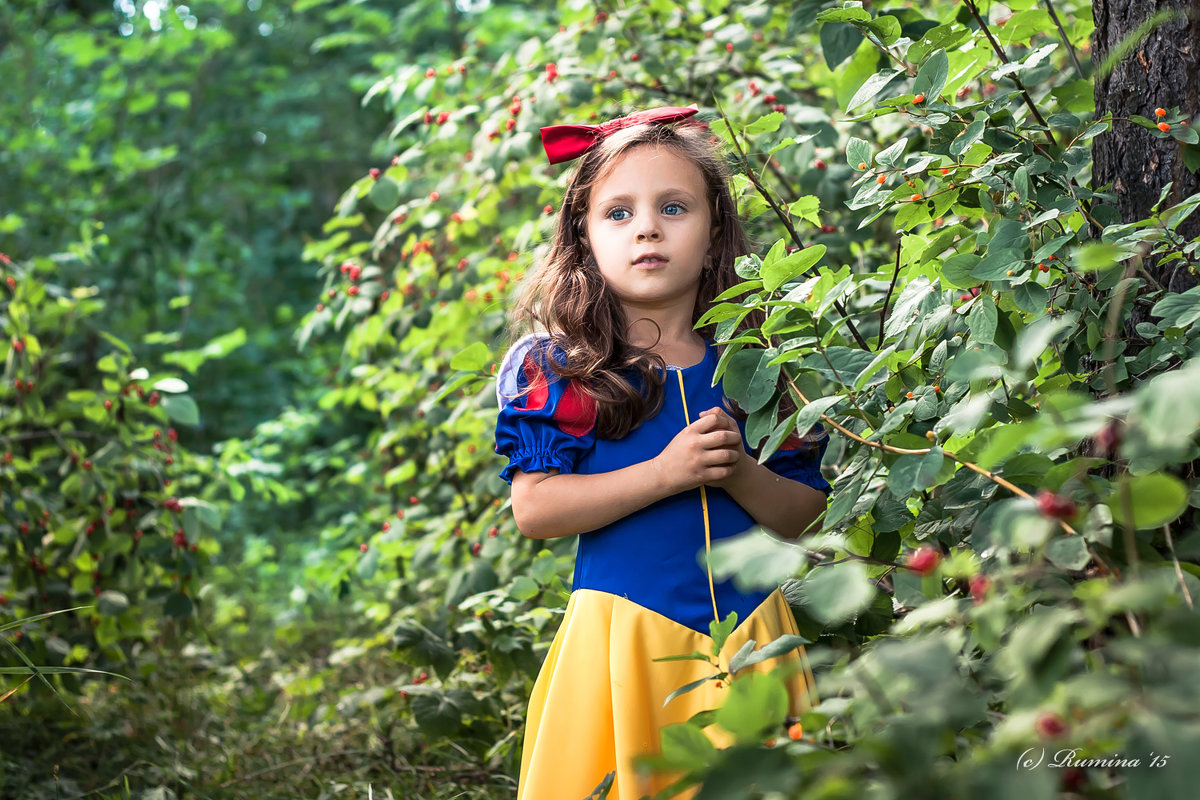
{"points": [[674, 327]]}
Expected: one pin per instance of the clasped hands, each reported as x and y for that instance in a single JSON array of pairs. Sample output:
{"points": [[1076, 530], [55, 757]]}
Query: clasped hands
{"points": [[709, 451]]}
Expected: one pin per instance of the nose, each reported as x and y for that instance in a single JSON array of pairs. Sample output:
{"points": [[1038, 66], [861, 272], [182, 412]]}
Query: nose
{"points": [[649, 232]]}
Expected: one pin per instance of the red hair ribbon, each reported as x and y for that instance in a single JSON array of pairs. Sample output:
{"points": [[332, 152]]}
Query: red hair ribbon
{"points": [[568, 142]]}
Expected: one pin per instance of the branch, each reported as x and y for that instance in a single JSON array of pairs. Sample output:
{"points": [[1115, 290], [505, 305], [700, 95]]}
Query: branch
{"points": [[1000, 52], [785, 218]]}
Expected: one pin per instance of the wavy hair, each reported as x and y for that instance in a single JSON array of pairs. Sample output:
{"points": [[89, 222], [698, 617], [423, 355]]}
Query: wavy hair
{"points": [[567, 297]]}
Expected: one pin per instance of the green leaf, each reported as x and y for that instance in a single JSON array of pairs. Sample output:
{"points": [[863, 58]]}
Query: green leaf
{"points": [[523, 588], [437, 713], [750, 379], [719, 631], [836, 593], [385, 193], [768, 123], [886, 28], [367, 564], [181, 408], [806, 208], [983, 320], [784, 644], [756, 560], [856, 14], [931, 77], [690, 686], [782, 271], [178, 605], [755, 704], [474, 358], [858, 152], [1179, 310], [1099, 256], [871, 87], [1068, 552], [686, 747], [838, 42], [912, 472], [1155, 500], [112, 603]]}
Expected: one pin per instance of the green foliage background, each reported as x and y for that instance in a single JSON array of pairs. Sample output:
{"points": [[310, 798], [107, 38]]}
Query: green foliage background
{"points": [[249, 406]]}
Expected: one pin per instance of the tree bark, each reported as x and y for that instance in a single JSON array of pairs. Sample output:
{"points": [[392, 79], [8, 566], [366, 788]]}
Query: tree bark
{"points": [[1162, 70]]}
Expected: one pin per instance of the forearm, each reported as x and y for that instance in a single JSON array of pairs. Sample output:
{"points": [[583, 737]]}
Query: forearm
{"points": [[566, 505], [784, 506]]}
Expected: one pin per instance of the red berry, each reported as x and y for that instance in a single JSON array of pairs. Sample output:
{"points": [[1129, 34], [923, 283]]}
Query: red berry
{"points": [[1160, 112], [729, 46], [362, 548], [915, 198], [919, 98], [493, 532], [820, 164], [769, 100], [475, 548], [795, 731], [413, 500], [924, 560], [1164, 127], [1054, 505], [1050, 725], [548, 209], [634, 57], [510, 124], [979, 586], [374, 173], [1072, 779], [429, 73], [433, 196], [428, 117], [1109, 437]]}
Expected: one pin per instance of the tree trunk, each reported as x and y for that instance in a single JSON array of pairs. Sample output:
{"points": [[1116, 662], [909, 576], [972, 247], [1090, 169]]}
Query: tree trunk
{"points": [[1162, 70]]}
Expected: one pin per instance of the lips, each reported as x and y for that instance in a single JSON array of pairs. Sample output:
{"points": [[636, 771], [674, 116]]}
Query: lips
{"points": [[649, 258]]}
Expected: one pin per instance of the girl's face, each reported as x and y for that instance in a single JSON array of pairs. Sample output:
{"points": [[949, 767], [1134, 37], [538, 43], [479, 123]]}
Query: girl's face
{"points": [[650, 228]]}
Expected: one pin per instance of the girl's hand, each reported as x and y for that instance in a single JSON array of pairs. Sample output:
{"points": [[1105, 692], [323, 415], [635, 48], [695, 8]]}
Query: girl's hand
{"points": [[743, 458], [709, 451]]}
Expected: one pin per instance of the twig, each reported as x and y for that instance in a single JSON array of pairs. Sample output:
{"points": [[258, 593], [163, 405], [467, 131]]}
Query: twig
{"points": [[1187, 595], [785, 218], [887, 448], [887, 298], [1013, 77], [1063, 34]]}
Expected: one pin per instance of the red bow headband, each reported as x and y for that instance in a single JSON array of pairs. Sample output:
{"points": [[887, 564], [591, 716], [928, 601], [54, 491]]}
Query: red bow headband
{"points": [[568, 142]]}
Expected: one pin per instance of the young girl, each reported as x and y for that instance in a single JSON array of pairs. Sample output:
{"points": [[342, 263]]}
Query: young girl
{"points": [[616, 435]]}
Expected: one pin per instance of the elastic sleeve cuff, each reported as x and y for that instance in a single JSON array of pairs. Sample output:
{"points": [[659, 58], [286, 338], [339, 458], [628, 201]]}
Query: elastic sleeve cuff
{"points": [[535, 461]]}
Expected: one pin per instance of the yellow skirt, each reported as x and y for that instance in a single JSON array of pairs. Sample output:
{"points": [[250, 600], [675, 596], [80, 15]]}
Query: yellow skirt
{"points": [[598, 700]]}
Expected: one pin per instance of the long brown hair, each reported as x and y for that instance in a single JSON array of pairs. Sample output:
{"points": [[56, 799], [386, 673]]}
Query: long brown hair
{"points": [[569, 299]]}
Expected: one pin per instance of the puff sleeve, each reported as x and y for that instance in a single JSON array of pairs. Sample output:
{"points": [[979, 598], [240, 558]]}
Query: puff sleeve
{"points": [[553, 425], [800, 460]]}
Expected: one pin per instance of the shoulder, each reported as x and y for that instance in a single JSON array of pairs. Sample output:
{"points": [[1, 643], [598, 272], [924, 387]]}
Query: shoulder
{"points": [[525, 381], [532, 346]]}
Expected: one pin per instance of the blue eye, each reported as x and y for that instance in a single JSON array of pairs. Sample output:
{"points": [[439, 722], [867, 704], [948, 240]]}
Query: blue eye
{"points": [[617, 211], [675, 205]]}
